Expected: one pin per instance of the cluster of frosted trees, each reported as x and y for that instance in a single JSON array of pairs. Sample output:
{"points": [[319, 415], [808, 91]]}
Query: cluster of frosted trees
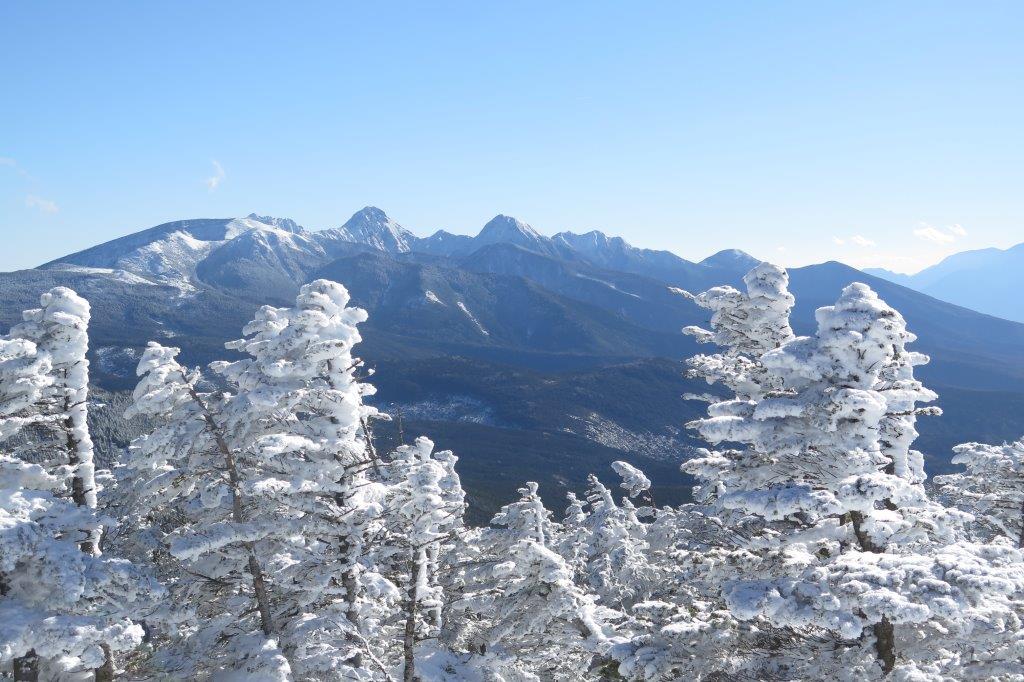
{"points": [[254, 532]]}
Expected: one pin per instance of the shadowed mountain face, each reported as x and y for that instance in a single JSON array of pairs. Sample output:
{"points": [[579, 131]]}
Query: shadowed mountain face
{"points": [[534, 358], [987, 280]]}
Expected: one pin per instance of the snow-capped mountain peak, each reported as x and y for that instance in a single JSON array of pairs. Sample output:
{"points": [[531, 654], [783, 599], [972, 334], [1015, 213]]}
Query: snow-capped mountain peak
{"points": [[286, 224], [731, 259], [173, 252], [503, 228], [372, 227]]}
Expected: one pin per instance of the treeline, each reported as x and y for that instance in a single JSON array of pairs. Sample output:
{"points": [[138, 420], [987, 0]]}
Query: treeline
{"points": [[255, 532]]}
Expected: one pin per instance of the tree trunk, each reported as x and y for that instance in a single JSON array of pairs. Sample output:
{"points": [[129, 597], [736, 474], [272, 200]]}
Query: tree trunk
{"points": [[885, 645], [348, 576], [259, 585], [1020, 538], [80, 487], [26, 668], [409, 643], [105, 673], [78, 490], [80, 493], [885, 639], [348, 581]]}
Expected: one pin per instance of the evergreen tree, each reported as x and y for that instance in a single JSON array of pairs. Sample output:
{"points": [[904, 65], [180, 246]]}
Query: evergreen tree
{"points": [[991, 488], [849, 542], [64, 608]]}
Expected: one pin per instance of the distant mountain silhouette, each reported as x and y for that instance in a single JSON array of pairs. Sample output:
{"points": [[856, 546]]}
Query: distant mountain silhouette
{"points": [[987, 280]]}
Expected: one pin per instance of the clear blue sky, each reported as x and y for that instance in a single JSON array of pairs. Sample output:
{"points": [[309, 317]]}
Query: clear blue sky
{"points": [[779, 128]]}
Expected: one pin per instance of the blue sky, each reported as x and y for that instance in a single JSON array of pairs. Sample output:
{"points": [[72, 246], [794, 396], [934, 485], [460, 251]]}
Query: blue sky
{"points": [[875, 133]]}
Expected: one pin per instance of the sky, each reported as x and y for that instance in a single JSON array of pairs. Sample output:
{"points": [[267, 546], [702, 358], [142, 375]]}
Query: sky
{"points": [[879, 134]]}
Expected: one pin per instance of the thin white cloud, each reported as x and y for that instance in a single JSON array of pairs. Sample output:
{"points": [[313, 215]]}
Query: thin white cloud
{"points": [[940, 235], [856, 240], [8, 162], [40, 204], [213, 182]]}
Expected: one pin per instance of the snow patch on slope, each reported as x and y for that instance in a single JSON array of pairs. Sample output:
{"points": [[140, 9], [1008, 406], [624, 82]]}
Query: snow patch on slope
{"points": [[455, 408], [172, 260], [116, 274], [463, 308], [605, 432], [607, 284]]}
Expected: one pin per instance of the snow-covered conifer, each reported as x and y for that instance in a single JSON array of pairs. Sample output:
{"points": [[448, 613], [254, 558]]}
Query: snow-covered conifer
{"points": [[425, 507], [615, 547], [300, 411], [745, 326], [542, 620], [60, 329], [63, 607], [270, 482], [991, 488], [518, 611], [848, 538], [191, 496]]}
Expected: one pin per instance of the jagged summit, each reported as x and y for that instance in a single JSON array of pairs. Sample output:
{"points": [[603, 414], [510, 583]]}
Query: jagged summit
{"points": [[591, 241], [369, 215], [286, 224], [372, 226]]}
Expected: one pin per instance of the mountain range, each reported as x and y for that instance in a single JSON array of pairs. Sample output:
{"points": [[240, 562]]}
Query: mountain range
{"points": [[533, 357], [988, 280]]}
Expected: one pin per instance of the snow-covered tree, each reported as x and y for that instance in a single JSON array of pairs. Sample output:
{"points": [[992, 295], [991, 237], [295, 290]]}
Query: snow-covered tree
{"points": [[745, 326], [615, 545], [516, 609], [848, 543], [192, 497], [63, 607], [60, 330], [301, 407], [991, 488], [683, 628], [541, 619], [268, 483], [424, 509]]}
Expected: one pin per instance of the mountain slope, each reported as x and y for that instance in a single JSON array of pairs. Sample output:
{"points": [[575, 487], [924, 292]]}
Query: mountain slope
{"points": [[171, 252], [986, 280], [436, 303], [614, 253], [535, 358]]}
